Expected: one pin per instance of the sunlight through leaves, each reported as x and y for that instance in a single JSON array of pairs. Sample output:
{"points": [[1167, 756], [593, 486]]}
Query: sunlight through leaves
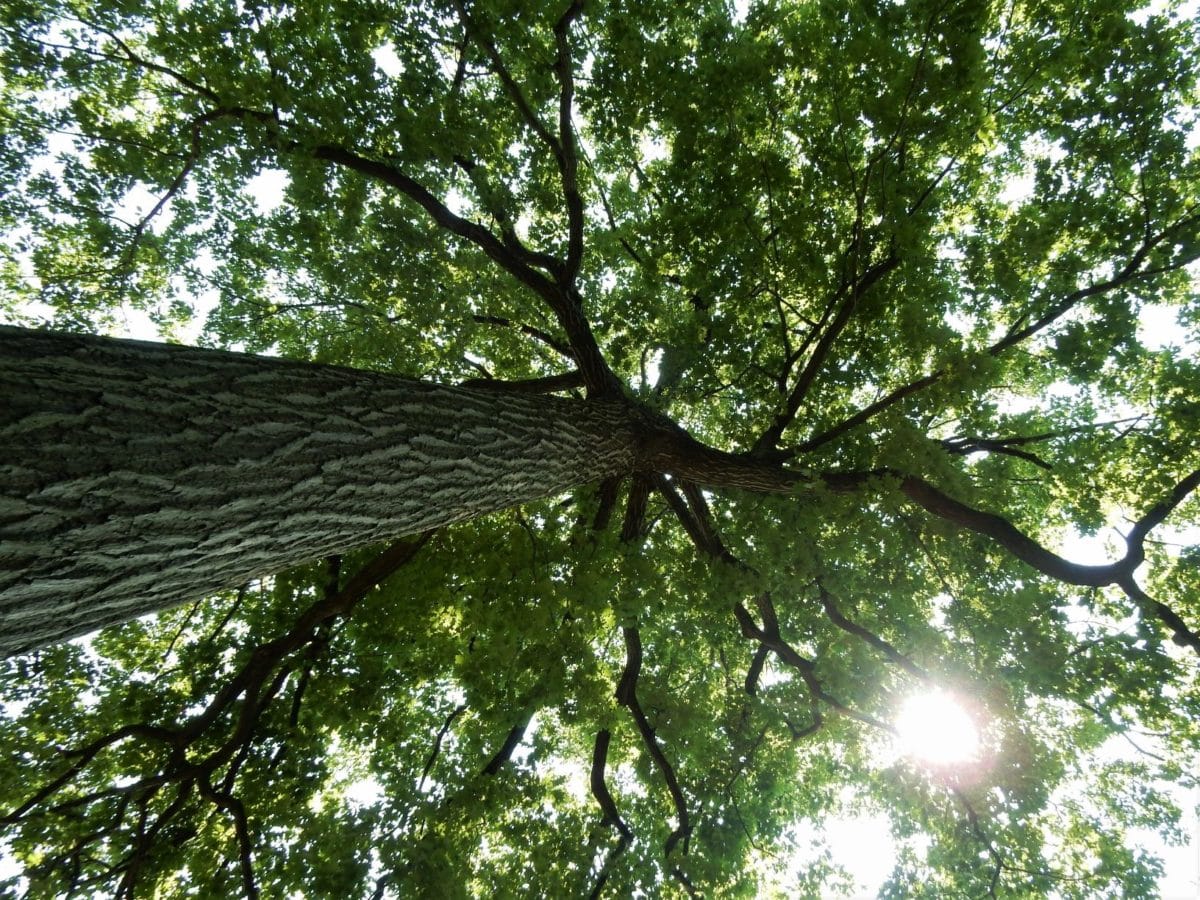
{"points": [[934, 728]]}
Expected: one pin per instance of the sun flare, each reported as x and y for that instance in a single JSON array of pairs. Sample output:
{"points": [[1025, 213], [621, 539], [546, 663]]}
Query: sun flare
{"points": [[934, 728]]}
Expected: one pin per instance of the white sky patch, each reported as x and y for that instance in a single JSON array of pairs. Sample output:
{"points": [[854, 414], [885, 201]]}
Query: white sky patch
{"points": [[267, 189], [57, 144], [1105, 547], [1108, 544], [1019, 189], [653, 364], [1174, 537], [446, 63], [861, 844], [573, 776], [522, 225], [1181, 863], [138, 201], [136, 324], [1098, 549], [937, 610], [773, 675], [202, 305], [959, 322], [521, 752], [387, 61], [1159, 328], [847, 840], [457, 202], [1187, 12], [935, 729], [653, 148], [363, 792], [10, 868]]}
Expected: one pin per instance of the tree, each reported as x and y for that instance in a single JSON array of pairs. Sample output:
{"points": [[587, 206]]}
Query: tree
{"points": [[124, 455], [849, 305]]}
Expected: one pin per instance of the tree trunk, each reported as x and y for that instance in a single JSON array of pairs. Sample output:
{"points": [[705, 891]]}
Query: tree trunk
{"points": [[135, 476]]}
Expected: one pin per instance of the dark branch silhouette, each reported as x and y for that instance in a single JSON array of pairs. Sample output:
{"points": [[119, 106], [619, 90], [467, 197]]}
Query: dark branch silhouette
{"points": [[608, 806], [627, 696], [190, 755]]}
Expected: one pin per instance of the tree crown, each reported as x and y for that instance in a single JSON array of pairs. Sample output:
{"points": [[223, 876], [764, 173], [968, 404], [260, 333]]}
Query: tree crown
{"points": [[891, 265]]}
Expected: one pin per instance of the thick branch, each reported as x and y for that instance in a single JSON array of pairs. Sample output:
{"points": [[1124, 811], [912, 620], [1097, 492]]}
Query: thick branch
{"points": [[1029, 551], [853, 294], [528, 115], [769, 636], [609, 489], [611, 818], [561, 147], [1120, 572], [1131, 272], [895, 656], [1180, 633], [441, 214], [567, 156], [488, 197], [545, 385], [627, 696], [437, 744], [635, 508], [761, 652], [548, 339], [600, 788], [694, 519], [1005, 446], [237, 811], [564, 303], [504, 754]]}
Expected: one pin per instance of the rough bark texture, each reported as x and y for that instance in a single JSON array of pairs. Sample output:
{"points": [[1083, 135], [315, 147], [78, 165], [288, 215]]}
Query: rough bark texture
{"points": [[135, 476]]}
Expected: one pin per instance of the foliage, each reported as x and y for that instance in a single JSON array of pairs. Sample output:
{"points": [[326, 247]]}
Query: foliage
{"points": [[904, 251]]}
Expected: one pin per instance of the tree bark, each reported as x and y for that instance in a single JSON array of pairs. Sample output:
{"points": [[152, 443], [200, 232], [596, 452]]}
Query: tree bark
{"points": [[135, 476]]}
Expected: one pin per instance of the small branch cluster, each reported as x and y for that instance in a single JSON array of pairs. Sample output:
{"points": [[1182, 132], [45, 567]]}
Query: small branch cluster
{"points": [[186, 767]]}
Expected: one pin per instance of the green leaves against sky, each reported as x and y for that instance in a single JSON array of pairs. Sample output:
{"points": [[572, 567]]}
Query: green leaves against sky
{"points": [[916, 239]]}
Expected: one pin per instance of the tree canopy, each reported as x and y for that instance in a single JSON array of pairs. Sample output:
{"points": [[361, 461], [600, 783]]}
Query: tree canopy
{"points": [[891, 264]]}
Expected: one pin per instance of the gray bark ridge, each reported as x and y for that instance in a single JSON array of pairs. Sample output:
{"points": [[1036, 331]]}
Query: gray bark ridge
{"points": [[135, 476]]}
